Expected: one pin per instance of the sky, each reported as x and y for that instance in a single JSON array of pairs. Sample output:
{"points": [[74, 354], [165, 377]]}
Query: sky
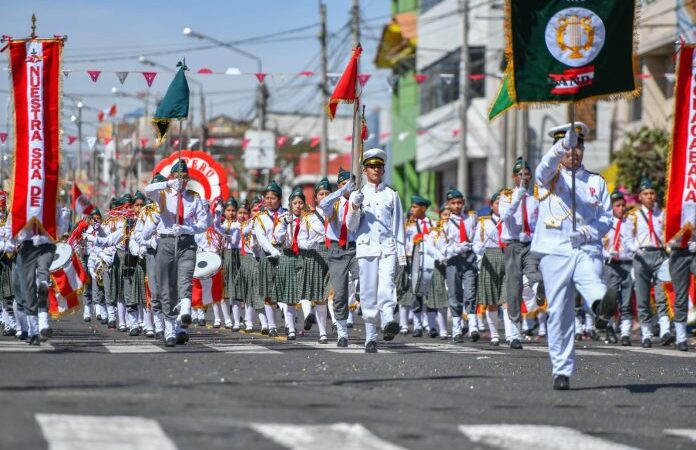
{"points": [[111, 35]]}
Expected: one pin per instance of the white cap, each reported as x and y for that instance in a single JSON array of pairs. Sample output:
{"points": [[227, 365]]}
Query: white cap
{"points": [[374, 156], [558, 132]]}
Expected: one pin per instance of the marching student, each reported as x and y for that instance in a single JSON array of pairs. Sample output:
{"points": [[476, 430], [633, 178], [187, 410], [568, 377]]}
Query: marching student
{"points": [[228, 227], [650, 253], [488, 246], [436, 300], [7, 254], [182, 215], [682, 264], [375, 215], [461, 267], [250, 253], [618, 260], [341, 255], [316, 266], [264, 230], [570, 259]]}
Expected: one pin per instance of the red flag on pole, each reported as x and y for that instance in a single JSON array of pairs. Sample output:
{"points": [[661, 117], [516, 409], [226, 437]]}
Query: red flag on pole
{"points": [[345, 91], [112, 110], [80, 203]]}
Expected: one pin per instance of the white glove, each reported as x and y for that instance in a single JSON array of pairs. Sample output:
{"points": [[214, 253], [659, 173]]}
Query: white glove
{"points": [[465, 247], [218, 208], [176, 183], [274, 253], [577, 238], [570, 140], [357, 198], [613, 254], [176, 229], [348, 187], [692, 246], [402, 261], [89, 238]]}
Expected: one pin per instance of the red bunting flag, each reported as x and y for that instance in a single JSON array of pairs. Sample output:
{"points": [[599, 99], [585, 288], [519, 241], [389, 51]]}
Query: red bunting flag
{"points": [[3, 137], [35, 70], [112, 110], [149, 77], [420, 77], [100, 116], [204, 70], [281, 140], [260, 76], [80, 203], [306, 73], [348, 137], [456, 132], [362, 79], [345, 91], [71, 140], [314, 141], [107, 140], [245, 143], [94, 74], [210, 142], [143, 142]]}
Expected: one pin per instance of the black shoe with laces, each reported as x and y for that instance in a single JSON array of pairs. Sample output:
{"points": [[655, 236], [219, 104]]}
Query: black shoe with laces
{"points": [[667, 339], [516, 344], [604, 309], [371, 347], [34, 340], [611, 336], [647, 343], [475, 336], [683, 346], [342, 342], [390, 330], [433, 333], [625, 341], [170, 342], [418, 332], [458, 338], [309, 321], [561, 383]]}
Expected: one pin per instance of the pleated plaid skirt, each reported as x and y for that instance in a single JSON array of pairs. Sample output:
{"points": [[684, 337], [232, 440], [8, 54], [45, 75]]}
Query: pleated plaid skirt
{"points": [[404, 296], [248, 281], [115, 281], [491, 278], [138, 296], [6, 291], [268, 269], [230, 267], [314, 275], [289, 278], [437, 297], [324, 254]]}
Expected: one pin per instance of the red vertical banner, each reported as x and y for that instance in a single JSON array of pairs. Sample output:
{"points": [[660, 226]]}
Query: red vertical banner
{"points": [[680, 195], [36, 87]]}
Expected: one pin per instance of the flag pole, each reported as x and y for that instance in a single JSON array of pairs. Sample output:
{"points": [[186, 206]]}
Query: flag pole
{"points": [[573, 206], [356, 162]]}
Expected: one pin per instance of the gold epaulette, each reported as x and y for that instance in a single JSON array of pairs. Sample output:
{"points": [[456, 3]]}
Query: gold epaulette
{"points": [[506, 192], [192, 192]]}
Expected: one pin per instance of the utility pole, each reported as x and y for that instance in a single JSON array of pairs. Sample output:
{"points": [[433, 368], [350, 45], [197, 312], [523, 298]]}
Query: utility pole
{"points": [[355, 23], [79, 138], [463, 161], [324, 149], [525, 135]]}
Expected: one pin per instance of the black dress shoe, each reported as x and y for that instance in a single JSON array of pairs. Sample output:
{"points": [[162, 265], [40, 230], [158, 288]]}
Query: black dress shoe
{"points": [[604, 309], [112, 324], [195, 321], [667, 339], [611, 336], [683, 346], [34, 340], [159, 335], [647, 343], [516, 344], [24, 335], [264, 331], [135, 331], [273, 332], [99, 317], [349, 324], [9, 332], [342, 342], [371, 347], [561, 383], [458, 338], [87, 319], [390, 331], [170, 342], [186, 320], [625, 341], [201, 322], [309, 321], [475, 336], [433, 333], [418, 332], [46, 334], [182, 338]]}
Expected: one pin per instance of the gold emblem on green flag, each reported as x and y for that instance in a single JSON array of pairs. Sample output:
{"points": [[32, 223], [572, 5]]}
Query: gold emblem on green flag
{"points": [[174, 105]]}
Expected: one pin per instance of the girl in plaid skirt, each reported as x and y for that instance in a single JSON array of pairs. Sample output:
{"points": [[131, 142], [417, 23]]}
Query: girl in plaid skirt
{"points": [[247, 279], [315, 267], [227, 227], [436, 301]]}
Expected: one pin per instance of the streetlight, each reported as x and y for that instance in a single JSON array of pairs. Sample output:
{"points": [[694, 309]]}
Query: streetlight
{"points": [[262, 93], [204, 129]]}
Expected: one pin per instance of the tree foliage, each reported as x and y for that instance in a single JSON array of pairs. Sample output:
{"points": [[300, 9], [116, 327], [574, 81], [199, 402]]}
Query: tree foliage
{"points": [[643, 155]]}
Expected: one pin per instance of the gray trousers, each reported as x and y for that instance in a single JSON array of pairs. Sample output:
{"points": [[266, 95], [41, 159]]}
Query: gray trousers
{"points": [[112, 282], [342, 262], [126, 280], [34, 271], [645, 268], [461, 273], [97, 297], [519, 261], [88, 291], [151, 271], [682, 263], [7, 288], [617, 275], [175, 271], [17, 283]]}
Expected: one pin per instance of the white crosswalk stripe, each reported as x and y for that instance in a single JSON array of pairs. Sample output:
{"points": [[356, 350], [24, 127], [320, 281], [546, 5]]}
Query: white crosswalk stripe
{"points": [[77, 432], [245, 349], [578, 352], [337, 436], [536, 437], [683, 432], [11, 346], [351, 349], [140, 347], [450, 348], [658, 351]]}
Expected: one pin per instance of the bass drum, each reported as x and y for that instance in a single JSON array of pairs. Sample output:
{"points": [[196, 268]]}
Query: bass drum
{"points": [[62, 257], [422, 269], [207, 265]]}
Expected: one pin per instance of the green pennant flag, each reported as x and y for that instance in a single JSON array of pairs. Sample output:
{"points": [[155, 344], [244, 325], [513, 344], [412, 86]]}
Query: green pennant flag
{"points": [[174, 105], [502, 101], [560, 51]]}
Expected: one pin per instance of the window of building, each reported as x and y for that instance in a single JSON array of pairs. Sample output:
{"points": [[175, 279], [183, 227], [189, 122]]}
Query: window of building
{"points": [[437, 90]]}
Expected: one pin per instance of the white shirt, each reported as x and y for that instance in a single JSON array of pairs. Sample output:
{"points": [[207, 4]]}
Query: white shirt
{"points": [[487, 234], [624, 241], [455, 246], [195, 217], [228, 231], [511, 209], [264, 228], [336, 211], [413, 228], [642, 236], [309, 234]]}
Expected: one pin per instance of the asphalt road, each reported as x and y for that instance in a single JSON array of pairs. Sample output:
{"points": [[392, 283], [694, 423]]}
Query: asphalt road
{"points": [[231, 390]]}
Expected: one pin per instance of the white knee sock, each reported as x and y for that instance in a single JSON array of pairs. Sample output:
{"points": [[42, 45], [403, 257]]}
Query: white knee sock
{"points": [[424, 319], [578, 325], [121, 314], [217, 313], [492, 319], [33, 325], [169, 328], [370, 332], [342, 329], [147, 320], [263, 319], [626, 327], [270, 315], [132, 319], [236, 313], [283, 309], [480, 323], [332, 313], [431, 319], [320, 311], [507, 324], [290, 316], [306, 307], [43, 320], [542, 323], [456, 325], [442, 321], [472, 323], [680, 330], [664, 325], [646, 331], [141, 317], [403, 316], [249, 316], [589, 321], [350, 317]]}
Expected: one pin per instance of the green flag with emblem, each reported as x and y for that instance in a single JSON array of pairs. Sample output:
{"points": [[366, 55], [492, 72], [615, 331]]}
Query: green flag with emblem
{"points": [[561, 51], [174, 105]]}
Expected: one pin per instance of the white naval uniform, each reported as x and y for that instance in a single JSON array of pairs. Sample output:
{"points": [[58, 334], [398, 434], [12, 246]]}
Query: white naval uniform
{"points": [[379, 247], [566, 269]]}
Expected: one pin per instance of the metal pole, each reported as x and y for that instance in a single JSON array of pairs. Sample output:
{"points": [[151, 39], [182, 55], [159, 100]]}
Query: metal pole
{"points": [[324, 149], [525, 134], [79, 139], [179, 200], [356, 163], [463, 162], [573, 207], [204, 121]]}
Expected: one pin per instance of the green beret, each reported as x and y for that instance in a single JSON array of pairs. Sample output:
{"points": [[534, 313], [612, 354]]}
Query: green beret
{"points": [[343, 175], [323, 184], [273, 187], [418, 200], [112, 202], [139, 195], [616, 195], [454, 193], [126, 198], [158, 178], [232, 202], [179, 166], [96, 212], [646, 183], [495, 196], [297, 192], [520, 163]]}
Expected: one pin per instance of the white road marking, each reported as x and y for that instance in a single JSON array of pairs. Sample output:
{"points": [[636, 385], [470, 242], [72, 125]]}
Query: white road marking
{"points": [[579, 352], [683, 432], [145, 347], [450, 348], [245, 349], [21, 346], [351, 349], [76, 432], [536, 437], [337, 436], [659, 351]]}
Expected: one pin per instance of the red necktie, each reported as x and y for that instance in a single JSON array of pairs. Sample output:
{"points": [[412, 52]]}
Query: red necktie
{"points": [[617, 235], [425, 227], [295, 246], [242, 251], [343, 237], [525, 220], [327, 241], [651, 228], [180, 209], [462, 231], [499, 226]]}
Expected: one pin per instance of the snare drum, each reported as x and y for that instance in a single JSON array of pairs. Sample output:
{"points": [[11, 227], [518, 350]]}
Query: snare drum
{"points": [[208, 281], [422, 269], [67, 272], [62, 257]]}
